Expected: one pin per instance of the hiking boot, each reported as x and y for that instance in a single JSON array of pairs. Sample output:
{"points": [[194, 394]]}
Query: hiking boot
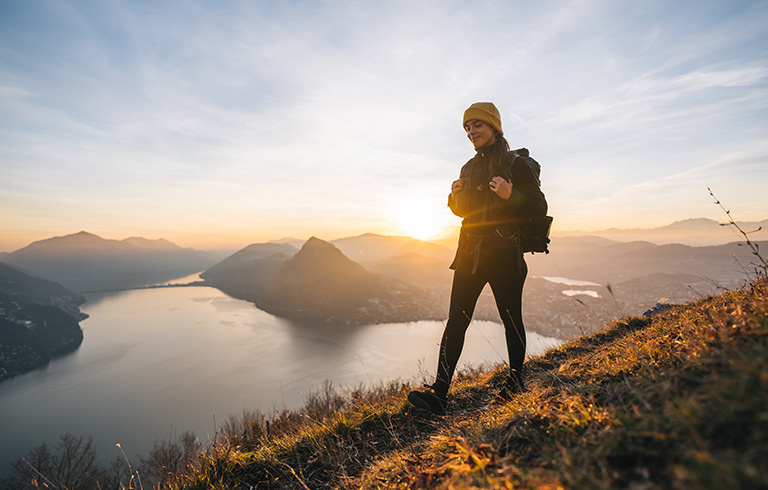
{"points": [[514, 385], [428, 400]]}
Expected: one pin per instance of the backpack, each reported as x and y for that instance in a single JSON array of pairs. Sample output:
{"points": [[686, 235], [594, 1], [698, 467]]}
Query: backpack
{"points": [[536, 234], [534, 229]]}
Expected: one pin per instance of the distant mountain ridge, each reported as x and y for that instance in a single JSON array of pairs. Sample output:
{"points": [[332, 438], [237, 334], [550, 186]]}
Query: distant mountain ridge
{"points": [[278, 278], [247, 273], [640, 272], [414, 268], [84, 243], [605, 261], [692, 231], [84, 261], [370, 247], [157, 244]]}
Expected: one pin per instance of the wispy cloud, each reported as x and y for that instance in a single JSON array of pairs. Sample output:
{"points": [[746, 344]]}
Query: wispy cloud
{"points": [[320, 115]]}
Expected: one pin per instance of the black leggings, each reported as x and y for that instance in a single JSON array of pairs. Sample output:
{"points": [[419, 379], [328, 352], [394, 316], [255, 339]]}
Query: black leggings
{"points": [[506, 275]]}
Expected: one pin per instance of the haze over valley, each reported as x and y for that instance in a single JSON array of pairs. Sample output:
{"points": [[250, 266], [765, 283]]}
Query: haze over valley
{"points": [[366, 279]]}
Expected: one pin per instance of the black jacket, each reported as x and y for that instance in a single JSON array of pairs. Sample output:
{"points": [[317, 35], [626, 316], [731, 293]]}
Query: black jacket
{"points": [[489, 218]]}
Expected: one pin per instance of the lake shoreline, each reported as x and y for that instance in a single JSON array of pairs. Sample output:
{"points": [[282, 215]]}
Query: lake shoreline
{"points": [[160, 361]]}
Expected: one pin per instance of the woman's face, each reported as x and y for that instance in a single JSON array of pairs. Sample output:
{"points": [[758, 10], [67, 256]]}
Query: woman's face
{"points": [[479, 133]]}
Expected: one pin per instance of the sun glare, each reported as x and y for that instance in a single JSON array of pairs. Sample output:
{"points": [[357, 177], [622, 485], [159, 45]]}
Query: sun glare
{"points": [[422, 218]]}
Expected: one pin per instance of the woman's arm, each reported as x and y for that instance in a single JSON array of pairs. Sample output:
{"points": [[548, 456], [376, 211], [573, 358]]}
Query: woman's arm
{"points": [[525, 197], [456, 199]]}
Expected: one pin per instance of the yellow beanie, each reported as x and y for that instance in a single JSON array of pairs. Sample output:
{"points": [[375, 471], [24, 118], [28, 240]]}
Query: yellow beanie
{"points": [[486, 112]]}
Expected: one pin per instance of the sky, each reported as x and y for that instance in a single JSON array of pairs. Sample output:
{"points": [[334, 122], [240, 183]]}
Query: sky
{"points": [[220, 124]]}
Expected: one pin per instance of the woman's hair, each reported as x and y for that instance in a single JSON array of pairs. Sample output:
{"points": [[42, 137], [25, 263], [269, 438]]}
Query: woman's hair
{"points": [[497, 156]]}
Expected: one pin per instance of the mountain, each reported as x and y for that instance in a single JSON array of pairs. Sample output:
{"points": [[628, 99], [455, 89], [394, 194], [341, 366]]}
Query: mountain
{"points": [[38, 321], [317, 284], [609, 261], [293, 241], [23, 288], [372, 247], [321, 279], [84, 261], [158, 244], [414, 268], [694, 232], [248, 272]]}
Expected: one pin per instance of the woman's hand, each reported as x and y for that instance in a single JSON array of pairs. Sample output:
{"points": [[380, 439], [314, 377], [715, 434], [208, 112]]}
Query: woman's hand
{"points": [[456, 186], [502, 187]]}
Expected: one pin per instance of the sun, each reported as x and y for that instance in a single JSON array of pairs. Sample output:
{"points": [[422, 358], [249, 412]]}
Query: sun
{"points": [[422, 218]]}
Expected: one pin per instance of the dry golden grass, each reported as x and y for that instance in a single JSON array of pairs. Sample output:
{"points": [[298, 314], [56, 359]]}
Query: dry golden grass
{"points": [[675, 400]]}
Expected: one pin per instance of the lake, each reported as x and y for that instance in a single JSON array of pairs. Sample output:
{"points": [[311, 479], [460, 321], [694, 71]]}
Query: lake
{"points": [[158, 362]]}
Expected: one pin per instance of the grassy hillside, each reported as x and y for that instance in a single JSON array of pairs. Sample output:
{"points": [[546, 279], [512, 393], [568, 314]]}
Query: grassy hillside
{"points": [[675, 400]]}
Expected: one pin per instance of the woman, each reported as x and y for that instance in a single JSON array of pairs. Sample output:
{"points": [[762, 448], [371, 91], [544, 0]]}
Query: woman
{"points": [[496, 190]]}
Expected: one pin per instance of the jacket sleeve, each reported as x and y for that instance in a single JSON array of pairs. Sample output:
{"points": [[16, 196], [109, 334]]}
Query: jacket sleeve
{"points": [[526, 199], [456, 203]]}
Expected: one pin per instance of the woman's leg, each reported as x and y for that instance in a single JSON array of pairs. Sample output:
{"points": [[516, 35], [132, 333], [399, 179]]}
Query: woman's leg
{"points": [[465, 290], [507, 286]]}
